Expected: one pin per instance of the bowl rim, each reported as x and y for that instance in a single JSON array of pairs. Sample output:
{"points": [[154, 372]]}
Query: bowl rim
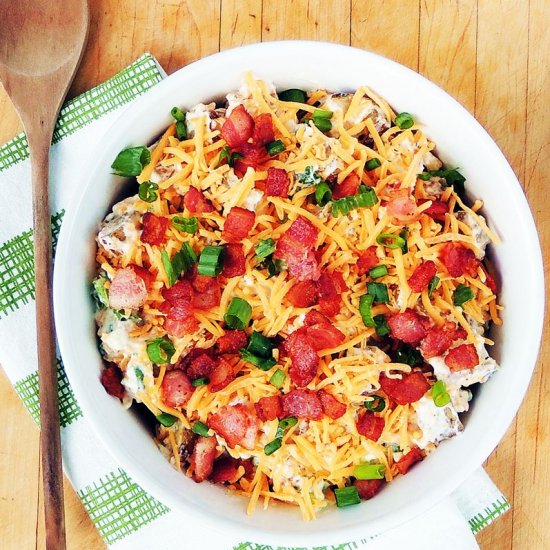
{"points": [[408, 510]]}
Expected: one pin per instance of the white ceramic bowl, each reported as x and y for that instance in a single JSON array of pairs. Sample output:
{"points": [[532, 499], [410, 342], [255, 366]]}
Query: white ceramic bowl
{"points": [[461, 142]]}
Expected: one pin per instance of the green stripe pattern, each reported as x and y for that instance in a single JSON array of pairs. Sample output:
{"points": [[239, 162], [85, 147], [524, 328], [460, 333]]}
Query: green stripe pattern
{"points": [[130, 83], [119, 507], [17, 267], [489, 514], [69, 409], [253, 546]]}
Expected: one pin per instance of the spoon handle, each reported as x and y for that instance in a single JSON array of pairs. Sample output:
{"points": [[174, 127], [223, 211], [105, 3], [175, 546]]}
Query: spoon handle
{"points": [[50, 440]]}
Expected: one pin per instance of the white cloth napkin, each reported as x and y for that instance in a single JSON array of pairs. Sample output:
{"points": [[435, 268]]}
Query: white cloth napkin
{"points": [[125, 515]]}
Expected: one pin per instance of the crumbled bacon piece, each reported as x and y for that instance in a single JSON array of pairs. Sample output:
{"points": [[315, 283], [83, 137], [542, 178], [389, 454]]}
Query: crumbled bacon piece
{"points": [[406, 461], [367, 260], [233, 261], [303, 404], [439, 339], [462, 357], [238, 128], [237, 424], [226, 470], [238, 224], [201, 366], [180, 292], [176, 388], [127, 290], [263, 129], [277, 183], [252, 156], [305, 360], [329, 294], [269, 408], [303, 231], [458, 259], [202, 458], [178, 326], [322, 334], [111, 378], [369, 425], [209, 296], [436, 210], [348, 187], [368, 488], [154, 228], [422, 275], [331, 406], [304, 294], [196, 202], [401, 206], [221, 376], [145, 274], [408, 389], [231, 342], [407, 326]]}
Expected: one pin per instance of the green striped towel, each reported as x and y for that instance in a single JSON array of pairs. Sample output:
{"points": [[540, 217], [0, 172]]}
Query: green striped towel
{"points": [[125, 515]]}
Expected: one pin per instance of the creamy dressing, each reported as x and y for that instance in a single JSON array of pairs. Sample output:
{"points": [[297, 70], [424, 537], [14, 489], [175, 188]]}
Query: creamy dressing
{"points": [[481, 239], [118, 232], [198, 115], [252, 200], [435, 423]]}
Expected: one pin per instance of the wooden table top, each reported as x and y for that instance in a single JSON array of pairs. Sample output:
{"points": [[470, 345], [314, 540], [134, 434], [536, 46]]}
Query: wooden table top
{"points": [[492, 55]]}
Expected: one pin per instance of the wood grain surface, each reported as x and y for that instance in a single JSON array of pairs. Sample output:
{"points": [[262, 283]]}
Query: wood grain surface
{"points": [[492, 55]]}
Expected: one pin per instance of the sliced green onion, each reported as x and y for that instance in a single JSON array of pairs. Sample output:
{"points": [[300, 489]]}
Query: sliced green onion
{"points": [[324, 124], [346, 496], [365, 305], [211, 261], [378, 271], [260, 345], [167, 263], [381, 325], [263, 363], [100, 293], [277, 378], [200, 428], [186, 225], [293, 94], [177, 114], [147, 191], [372, 164], [182, 261], [433, 285], [264, 248], [131, 161], [274, 267], [238, 314], [369, 471], [167, 419], [160, 350], [407, 355], [365, 198], [275, 147], [139, 374], [202, 381], [462, 294], [453, 178], [404, 121], [230, 157], [322, 113], [390, 240], [286, 423], [181, 129], [323, 194], [403, 235], [273, 446], [378, 404], [379, 291], [440, 395]]}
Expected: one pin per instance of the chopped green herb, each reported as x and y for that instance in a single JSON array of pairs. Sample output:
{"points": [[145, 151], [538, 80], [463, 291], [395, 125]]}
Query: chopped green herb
{"points": [[433, 285], [390, 240], [147, 191], [211, 261], [273, 446], [407, 355], [403, 235], [346, 496], [404, 121], [277, 378], [381, 325], [378, 271], [293, 94], [260, 345], [202, 381], [131, 161], [261, 362], [364, 199], [100, 293], [181, 262], [376, 404], [452, 177], [440, 395], [462, 294], [309, 176], [264, 248], [238, 314], [230, 157], [369, 471], [181, 129], [274, 267], [200, 428], [323, 194], [139, 374], [275, 147], [379, 291], [177, 114], [365, 305]]}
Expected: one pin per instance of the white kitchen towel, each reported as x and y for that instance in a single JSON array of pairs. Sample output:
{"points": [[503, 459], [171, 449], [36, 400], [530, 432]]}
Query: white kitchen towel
{"points": [[125, 515]]}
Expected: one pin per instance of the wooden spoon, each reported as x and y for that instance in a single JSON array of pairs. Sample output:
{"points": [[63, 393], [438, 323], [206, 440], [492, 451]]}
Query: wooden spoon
{"points": [[41, 43]]}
